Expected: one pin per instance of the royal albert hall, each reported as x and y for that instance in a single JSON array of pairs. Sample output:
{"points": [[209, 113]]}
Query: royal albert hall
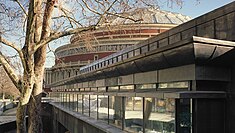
{"points": [[114, 35]]}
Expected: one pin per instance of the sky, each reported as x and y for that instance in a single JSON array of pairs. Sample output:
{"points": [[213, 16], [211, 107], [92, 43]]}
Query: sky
{"points": [[195, 8], [192, 8]]}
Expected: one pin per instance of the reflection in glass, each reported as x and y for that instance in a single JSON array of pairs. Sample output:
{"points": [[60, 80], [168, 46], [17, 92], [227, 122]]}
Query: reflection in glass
{"points": [[79, 103], [159, 115], [146, 86], [71, 101], [61, 98], [115, 110], [86, 105], [113, 88], [184, 116], [93, 106], [174, 85], [102, 89], [75, 102], [67, 100], [127, 87], [103, 107], [134, 114]]}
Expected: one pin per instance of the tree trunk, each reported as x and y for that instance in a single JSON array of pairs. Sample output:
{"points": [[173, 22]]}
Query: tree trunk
{"points": [[35, 121], [20, 118]]}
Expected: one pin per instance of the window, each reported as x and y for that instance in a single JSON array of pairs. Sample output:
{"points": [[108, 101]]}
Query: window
{"points": [[115, 110], [119, 58], [137, 51], [134, 114], [160, 115], [93, 106], [153, 46], [124, 56], [86, 105], [79, 103], [103, 107], [174, 85], [130, 54], [96, 57], [144, 49]]}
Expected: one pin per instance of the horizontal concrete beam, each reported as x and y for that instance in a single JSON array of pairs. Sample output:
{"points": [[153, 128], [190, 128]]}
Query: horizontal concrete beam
{"points": [[196, 94], [77, 123]]}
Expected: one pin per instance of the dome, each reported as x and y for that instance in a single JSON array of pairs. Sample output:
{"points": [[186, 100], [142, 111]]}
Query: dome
{"points": [[114, 34], [148, 16]]}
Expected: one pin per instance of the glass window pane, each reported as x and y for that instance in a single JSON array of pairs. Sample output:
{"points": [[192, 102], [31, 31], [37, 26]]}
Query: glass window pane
{"points": [[137, 51], [146, 86], [71, 101], [153, 46], [131, 54], [115, 111], [159, 115], [119, 58], [124, 56], [79, 103], [102, 89], [144, 49], [60, 98], [67, 100], [103, 107], [134, 114], [86, 105], [127, 88], [184, 123], [75, 102], [93, 106], [113, 88], [63, 99], [174, 85]]}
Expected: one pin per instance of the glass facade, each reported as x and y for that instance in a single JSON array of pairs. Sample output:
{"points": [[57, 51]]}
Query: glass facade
{"points": [[103, 107], [79, 103], [116, 110], [86, 105], [94, 104], [175, 85], [159, 115], [132, 114]]}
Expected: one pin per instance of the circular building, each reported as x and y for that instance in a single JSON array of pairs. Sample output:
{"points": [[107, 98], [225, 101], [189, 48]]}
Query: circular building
{"points": [[114, 34]]}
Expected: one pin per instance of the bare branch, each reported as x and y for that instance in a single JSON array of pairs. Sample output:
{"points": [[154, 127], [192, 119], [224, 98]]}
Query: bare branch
{"points": [[21, 6], [10, 71], [90, 9], [12, 45], [70, 19], [105, 12], [62, 34]]}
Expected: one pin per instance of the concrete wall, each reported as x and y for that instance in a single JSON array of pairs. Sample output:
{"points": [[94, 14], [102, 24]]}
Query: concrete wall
{"points": [[218, 24]]}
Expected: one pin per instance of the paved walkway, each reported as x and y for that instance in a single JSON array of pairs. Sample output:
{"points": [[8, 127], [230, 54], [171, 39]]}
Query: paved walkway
{"points": [[8, 116]]}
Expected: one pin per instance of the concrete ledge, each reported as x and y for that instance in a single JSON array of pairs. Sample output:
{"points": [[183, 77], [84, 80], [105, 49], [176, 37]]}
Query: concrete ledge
{"points": [[91, 121], [196, 94]]}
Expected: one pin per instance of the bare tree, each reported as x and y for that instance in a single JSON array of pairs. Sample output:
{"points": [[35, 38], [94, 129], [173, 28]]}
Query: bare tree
{"points": [[6, 85], [32, 24]]}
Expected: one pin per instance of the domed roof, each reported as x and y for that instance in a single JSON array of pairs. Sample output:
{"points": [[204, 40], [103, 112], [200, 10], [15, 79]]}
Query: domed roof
{"points": [[149, 16]]}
